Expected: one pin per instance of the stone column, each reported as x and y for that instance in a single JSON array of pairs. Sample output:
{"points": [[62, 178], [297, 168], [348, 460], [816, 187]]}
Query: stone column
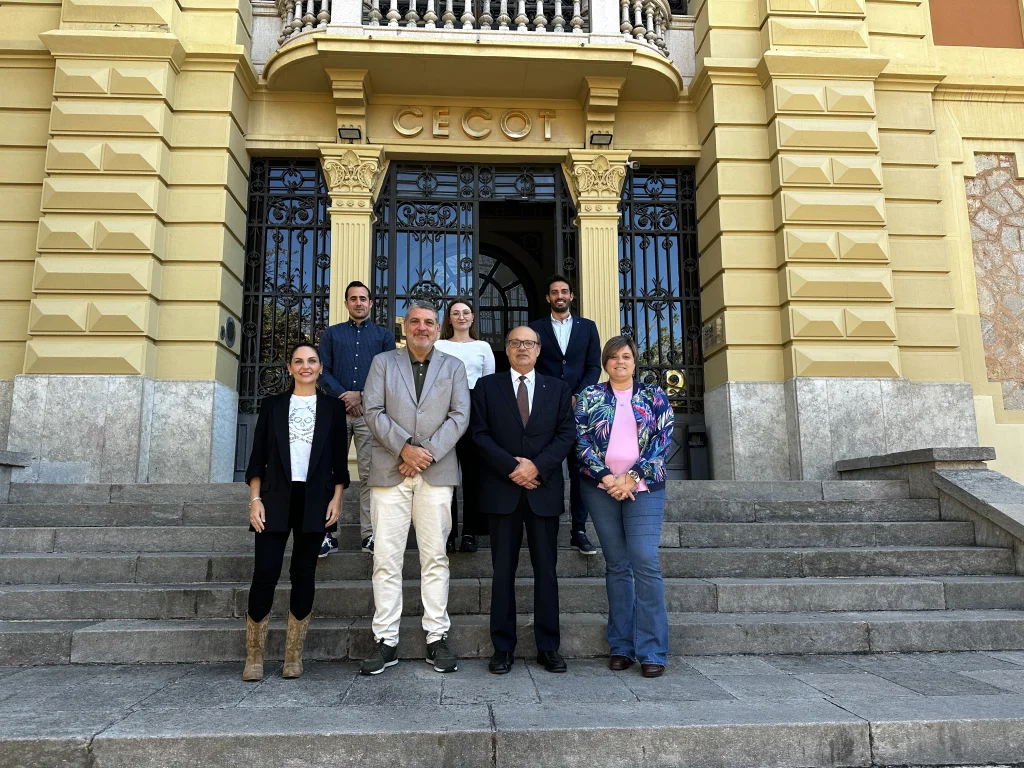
{"points": [[352, 173], [597, 178]]}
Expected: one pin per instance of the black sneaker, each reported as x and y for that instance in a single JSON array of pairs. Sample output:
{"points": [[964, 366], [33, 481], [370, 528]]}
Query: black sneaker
{"points": [[468, 543], [383, 657], [441, 656], [367, 544], [581, 543], [329, 546]]}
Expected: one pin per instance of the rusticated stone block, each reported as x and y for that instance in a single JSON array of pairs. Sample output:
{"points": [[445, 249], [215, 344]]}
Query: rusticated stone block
{"points": [[806, 282], [810, 244]]}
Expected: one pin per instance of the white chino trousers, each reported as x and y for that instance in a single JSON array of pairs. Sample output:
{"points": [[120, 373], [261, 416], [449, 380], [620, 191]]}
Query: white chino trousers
{"points": [[429, 509]]}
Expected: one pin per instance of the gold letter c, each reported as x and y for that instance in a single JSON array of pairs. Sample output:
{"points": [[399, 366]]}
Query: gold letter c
{"points": [[401, 129], [473, 133]]}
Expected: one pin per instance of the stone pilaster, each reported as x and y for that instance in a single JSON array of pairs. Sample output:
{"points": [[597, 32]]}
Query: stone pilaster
{"points": [[352, 174], [597, 178]]}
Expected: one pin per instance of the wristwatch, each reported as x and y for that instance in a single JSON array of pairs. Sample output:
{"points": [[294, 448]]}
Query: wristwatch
{"points": [[635, 475]]}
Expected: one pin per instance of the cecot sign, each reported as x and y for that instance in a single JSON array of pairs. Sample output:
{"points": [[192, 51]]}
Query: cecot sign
{"points": [[476, 122]]}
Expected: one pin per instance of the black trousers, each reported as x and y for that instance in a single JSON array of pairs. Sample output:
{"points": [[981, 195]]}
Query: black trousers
{"points": [[506, 541], [270, 558], [474, 522], [577, 511]]}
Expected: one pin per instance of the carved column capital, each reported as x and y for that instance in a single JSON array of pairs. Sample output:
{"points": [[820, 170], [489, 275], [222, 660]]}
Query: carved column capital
{"points": [[597, 178], [352, 171]]}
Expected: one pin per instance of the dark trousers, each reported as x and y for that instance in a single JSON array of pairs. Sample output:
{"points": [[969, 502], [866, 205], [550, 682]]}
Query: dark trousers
{"points": [[577, 511], [270, 558], [506, 541], [473, 522]]}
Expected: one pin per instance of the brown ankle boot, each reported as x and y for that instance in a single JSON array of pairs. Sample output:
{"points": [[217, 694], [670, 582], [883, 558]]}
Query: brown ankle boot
{"points": [[293, 643], [255, 640]]}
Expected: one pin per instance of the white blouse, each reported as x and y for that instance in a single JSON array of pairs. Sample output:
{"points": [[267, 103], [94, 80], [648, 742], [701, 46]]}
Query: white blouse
{"points": [[476, 355], [301, 423]]}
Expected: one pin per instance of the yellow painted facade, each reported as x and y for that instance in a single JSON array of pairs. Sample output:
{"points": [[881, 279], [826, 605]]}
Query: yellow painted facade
{"points": [[832, 140]]}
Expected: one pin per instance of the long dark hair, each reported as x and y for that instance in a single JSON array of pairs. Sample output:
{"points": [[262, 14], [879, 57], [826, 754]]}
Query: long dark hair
{"points": [[447, 329], [288, 361]]}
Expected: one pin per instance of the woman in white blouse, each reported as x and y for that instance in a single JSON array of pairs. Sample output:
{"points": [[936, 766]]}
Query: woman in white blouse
{"points": [[458, 338]]}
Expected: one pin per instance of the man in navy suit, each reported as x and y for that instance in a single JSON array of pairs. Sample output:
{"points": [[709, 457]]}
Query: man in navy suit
{"points": [[571, 351], [522, 425]]}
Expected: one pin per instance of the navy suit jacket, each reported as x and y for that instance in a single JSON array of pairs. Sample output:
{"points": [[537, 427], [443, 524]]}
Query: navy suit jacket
{"points": [[500, 436], [580, 366]]}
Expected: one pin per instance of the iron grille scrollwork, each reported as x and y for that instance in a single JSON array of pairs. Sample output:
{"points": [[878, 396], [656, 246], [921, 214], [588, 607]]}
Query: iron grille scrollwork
{"points": [[426, 235], [287, 279], [659, 285]]}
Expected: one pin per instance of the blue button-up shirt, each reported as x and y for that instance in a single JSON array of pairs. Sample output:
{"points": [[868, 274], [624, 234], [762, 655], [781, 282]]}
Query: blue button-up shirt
{"points": [[346, 350]]}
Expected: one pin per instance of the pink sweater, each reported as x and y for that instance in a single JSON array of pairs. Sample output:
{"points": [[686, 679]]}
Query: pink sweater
{"points": [[623, 443]]}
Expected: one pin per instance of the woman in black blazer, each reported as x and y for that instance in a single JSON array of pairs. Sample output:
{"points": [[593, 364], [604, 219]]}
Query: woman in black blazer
{"points": [[297, 470]]}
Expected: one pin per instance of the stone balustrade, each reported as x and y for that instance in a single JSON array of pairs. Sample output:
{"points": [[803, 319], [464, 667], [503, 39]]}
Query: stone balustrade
{"points": [[642, 22]]}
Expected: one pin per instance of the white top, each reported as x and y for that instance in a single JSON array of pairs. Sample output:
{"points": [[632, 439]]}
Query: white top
{"points": [[476, 355], [562, 329], [301, 421], [531, 380]]}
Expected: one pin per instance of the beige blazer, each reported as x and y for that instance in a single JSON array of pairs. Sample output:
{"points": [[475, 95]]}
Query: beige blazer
{"points": [[394, 417]]}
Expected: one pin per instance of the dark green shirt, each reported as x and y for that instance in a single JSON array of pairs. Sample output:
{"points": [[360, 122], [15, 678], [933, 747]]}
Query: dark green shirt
{"points": [[419, 373]]}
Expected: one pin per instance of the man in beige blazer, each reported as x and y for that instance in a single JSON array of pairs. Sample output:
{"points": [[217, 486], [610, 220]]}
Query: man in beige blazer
{"points": [[416, 406]]}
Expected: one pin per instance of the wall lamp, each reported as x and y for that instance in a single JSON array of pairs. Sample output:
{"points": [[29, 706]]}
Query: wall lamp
{"points": [[600, 139], [350, 134]]}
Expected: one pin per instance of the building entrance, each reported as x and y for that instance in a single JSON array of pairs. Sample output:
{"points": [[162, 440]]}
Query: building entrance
{"points": [[492, 233]]}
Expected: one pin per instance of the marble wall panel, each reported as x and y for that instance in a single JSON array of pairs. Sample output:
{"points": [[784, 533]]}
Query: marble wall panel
{"points": [[811, 454], [6, 401], [760, 436], [225, 416], [995, 202], [719, 426], [182, 438]]}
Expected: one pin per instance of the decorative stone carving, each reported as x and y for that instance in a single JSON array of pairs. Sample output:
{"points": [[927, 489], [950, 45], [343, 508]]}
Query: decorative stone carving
{"points": [[351, 174], [600, 178]]}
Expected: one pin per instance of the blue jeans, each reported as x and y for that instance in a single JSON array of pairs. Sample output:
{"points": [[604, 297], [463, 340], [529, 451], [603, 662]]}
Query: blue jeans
{"points": [[630, 532]]}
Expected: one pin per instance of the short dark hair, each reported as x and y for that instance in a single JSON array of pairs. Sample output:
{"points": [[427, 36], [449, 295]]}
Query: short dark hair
{"points": [[613, 345], [355, 284], [560, 279]]}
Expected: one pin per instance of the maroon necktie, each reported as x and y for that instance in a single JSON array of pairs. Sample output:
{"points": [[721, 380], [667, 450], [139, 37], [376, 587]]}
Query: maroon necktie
{"points": [[523, 397]]}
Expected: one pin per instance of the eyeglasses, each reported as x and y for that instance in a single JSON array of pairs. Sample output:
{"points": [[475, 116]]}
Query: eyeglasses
{"points": [[467, 313], [525, 344]]}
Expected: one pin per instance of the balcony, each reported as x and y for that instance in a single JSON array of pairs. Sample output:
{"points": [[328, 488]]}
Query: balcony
{"points": [[610, 34]]}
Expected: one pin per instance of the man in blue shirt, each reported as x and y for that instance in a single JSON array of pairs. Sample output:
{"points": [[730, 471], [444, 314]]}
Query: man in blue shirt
{"points": [[346, 350], [570, 350]]}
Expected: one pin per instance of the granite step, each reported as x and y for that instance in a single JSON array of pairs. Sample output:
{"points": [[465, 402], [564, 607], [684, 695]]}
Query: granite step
{"points": [[354, 599], [701, 535], [191, 567], [127, 641], [811, 712], [198, 514]]}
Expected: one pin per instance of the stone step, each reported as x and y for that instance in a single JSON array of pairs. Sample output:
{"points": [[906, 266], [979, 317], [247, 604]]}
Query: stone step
{"points": [[163, 513], [582, 635], [811, 712], [238, 539], [354, 599], [176, 568], [708, 490]]}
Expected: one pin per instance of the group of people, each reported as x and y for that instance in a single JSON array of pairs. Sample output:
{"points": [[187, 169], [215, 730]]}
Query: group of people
{"points": [[435, 412]]}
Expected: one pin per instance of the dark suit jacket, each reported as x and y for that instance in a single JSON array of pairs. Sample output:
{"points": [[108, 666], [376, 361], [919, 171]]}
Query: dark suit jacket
{"points": [[270, 461], [499, 435], [580, 366]]}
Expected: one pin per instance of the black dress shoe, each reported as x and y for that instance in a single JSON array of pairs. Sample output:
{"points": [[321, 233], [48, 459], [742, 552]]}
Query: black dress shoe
{"points": [[581, 543], [468, 543], [501, 663], [552, 661]]}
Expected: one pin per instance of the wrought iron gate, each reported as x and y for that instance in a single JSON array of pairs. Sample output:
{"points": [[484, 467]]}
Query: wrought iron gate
{"points": [[287, 279], [659, 291], [426, 241]]}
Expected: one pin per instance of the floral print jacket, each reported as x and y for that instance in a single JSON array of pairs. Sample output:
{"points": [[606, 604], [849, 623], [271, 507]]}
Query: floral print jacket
{"points": [[595, 409]]}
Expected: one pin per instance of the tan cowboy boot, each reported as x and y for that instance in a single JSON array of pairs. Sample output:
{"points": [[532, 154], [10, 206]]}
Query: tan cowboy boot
{"points": [[293, 643], [255, 640]]}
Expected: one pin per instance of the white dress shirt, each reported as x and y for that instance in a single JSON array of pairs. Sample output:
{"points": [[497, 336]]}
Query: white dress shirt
{"points": [[531, 380], [562, 329]]}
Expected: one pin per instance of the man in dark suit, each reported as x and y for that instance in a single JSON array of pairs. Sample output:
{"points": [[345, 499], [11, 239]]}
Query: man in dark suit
{"points": [[523, 426], [571, 351]]}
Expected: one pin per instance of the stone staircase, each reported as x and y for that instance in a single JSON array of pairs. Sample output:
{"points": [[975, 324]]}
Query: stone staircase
{"points": [[159, 573]]}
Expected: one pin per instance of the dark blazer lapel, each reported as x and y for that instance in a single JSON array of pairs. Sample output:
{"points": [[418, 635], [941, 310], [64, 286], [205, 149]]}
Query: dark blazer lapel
{"points": [[320, 429], [575, 334], [505, 385], [405, 366], [541, 396], [281, 433], [548, 340]]}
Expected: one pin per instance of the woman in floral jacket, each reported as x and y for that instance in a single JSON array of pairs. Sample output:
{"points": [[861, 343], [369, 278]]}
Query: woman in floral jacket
{"points": [[624, 431]]}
